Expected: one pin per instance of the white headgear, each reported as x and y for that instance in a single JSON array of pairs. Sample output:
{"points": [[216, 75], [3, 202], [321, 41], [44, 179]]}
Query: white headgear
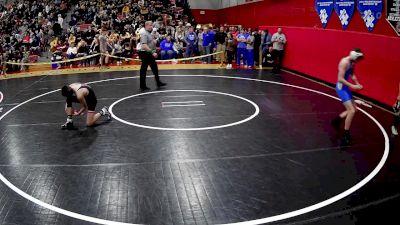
{"points": [[356, 55]]}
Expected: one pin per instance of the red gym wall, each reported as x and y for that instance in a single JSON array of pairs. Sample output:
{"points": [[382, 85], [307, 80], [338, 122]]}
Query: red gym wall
{"points": [[316, 52], [209, 16]]}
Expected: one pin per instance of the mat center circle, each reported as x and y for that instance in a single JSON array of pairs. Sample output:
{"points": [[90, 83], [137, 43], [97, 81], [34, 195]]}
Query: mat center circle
{"points": [[185, 110]]}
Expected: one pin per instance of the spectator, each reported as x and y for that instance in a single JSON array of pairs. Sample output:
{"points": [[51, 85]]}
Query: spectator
{"points": [[265, 46], [71, 39], [166, 47], [82, 51], [268, 59], [60, 21], [200, 42], [72, 52], [208, 40], [220, 38], [241, 47], [250, 51], [279, 42], [103, 44], [178, 49], [179, 34], [191, 42], [229, 50], [125, 10], [257, 44]]}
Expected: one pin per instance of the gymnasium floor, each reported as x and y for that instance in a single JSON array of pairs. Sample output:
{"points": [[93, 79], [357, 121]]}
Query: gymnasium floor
{"points": [[213, 147]]}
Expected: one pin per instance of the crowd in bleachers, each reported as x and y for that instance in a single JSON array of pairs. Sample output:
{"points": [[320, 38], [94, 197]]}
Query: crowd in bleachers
{"points": [[69, 29], [27, 26]]}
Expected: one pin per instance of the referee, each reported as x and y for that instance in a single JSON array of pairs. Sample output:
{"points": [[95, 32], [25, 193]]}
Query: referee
{"points": [[148, 55]]}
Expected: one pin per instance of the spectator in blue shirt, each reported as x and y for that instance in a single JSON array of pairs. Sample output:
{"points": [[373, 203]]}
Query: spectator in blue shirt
{"points": [[208, 40], [166, 47], [191, 42], [241, 47]]}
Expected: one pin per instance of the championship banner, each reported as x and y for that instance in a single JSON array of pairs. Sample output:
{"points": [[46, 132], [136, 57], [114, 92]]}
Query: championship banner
{"points": [[345, 10], [393, 14], [371, 11], [324, 9]]}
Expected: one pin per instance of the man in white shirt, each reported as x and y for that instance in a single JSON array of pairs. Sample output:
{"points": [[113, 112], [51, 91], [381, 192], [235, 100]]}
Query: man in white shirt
{"points": [[60, 20], [278, 46]]}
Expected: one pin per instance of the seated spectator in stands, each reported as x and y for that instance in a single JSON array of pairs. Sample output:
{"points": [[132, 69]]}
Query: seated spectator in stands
{"points": [[60, 21], [167, 50], [180, 34], [178, 49], [73, 24], [117, 50], [89, 35], [156, 35], [126, 37], [35, 44], [72, 51], [71, 39], [83, 50], [127, 50], [125, 10], [46, 20]]}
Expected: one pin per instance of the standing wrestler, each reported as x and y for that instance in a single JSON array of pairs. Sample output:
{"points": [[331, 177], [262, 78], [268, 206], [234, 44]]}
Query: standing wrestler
{"points": [[343, 86]]}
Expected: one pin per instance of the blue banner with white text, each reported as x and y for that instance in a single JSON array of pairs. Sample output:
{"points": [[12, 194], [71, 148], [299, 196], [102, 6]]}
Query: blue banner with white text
{"points": [[345, 10], [371, 12], [324, 9]]}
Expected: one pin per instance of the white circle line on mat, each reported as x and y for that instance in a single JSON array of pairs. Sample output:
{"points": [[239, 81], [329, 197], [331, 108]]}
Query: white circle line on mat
{"points": [[270, 219], [256, 112]]}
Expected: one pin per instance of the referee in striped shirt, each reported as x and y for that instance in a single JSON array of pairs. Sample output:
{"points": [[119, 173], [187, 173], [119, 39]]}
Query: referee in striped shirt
{"points": [[148, 55]]}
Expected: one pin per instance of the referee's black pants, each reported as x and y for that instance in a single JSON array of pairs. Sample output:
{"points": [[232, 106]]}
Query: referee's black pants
{"points": [[148, 60]]}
